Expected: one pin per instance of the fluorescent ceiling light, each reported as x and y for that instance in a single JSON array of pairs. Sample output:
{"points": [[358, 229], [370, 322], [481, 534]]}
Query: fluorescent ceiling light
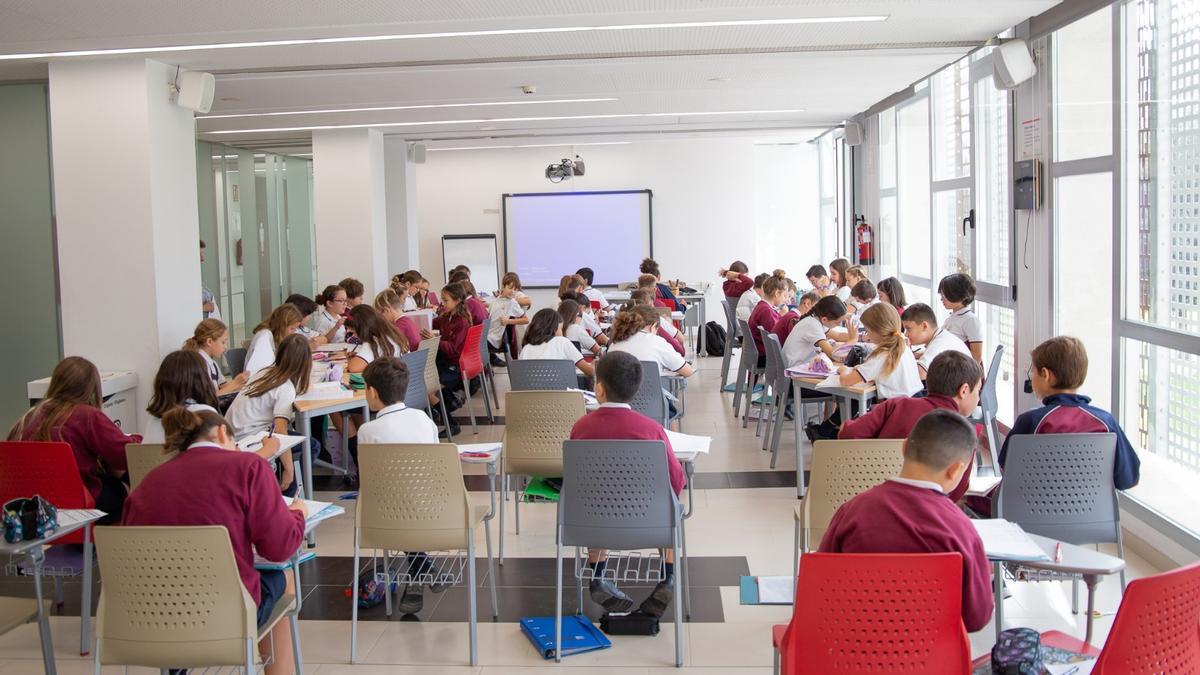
{"points": [[447, 34], [406, 107], [607, 116], [530, 145]]}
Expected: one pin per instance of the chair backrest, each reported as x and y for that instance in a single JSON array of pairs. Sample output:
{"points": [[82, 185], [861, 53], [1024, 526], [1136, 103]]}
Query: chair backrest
{"points": [[749, 348], [730, 318], [29, 468], [417, 395], [1157, 627], [774, 369], [542, 374], [235, 359], [691, 316], [430, 345], [470, 361], [1061, 486], [842, 470], [141, 458], [171, 598], [617, 495], [649, 398], [663, 311], [878, 613], [483, 340], [536, 424], [412, 498], [987, 395]]}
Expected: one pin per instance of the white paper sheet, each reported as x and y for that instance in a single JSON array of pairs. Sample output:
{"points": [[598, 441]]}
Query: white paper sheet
{"points": [[981, 485], [317, 511], [834, 381], [1005, 540], [685, 443], [335, 347], [478, 447], [776, 590], [1078, 668]]}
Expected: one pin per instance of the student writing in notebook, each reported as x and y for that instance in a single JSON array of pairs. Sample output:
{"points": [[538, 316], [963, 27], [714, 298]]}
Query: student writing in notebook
{"points": [[211, 340], [785, 324], [766, 312], [328, 322], [544, 340], [268, 335], [477, 309], [927, 340], [182, 380], [912, 513], [618, 377], [390, 305], [237, 491], [666, 328]]}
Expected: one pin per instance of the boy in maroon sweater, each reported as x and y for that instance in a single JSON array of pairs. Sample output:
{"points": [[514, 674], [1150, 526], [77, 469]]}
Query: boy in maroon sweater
{"points": [[618, 376], [953, 383], [912, 513]]}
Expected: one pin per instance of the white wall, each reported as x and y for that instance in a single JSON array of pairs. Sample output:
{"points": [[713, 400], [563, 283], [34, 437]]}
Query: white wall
{"points": [[715, 200], [349, 208]]}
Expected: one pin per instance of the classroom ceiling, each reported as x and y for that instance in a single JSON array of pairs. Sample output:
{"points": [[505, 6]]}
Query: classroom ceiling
{"points": [[772, 76]]}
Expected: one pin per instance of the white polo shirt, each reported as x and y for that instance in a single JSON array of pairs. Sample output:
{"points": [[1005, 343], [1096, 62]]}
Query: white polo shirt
{"points": [[802, 343], [746, 304], [964, 324], [502, 308], [904, 380], [576, 333], [398, 423], [366, 352], [942, 341], [153, 433], [557, 348], [323, 322], [410, 305], [596, 296], [250, 415], [647, 347], [843, 293], [214, 371], [590, 324], [261, 352]]}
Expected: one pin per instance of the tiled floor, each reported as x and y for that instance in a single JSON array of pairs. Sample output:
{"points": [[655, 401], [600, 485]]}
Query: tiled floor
{"points": [[742, 524]]}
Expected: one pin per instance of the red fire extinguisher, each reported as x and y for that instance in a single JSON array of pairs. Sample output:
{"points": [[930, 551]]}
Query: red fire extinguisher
{"points": [[864, 239]]}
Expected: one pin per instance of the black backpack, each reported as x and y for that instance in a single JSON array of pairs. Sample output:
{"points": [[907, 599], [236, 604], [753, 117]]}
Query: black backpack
{"points": [[714, 339]]}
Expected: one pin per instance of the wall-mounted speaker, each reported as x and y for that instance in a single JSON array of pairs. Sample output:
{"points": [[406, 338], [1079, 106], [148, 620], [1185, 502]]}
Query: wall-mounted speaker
{"points": [[195, 91], [853, 133], [1012, 64], [416, 152]]}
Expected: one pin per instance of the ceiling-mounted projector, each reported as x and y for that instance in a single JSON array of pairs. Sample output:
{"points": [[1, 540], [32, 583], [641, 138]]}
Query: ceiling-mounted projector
{"points": [[557, 173]]}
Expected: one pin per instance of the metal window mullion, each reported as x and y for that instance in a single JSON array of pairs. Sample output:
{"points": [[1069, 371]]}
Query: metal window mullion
{"points": [[1159, 337]]}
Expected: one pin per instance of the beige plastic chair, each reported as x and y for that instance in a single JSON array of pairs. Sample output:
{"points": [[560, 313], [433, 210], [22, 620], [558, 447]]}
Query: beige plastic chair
{"points": [[15, 612], [433, 384], [412, 498], [172, 598], [536, 425], [141, 458], [841, 470]]}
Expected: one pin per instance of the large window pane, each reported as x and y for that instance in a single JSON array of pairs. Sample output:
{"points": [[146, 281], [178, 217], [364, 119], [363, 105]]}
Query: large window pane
{"points": [[1083, 87], [951, 247], [1000, 330], [887, 148], [992, 217], [1160, 394], [951, 96], [913, 183], [887, 237], [1083, 278]]}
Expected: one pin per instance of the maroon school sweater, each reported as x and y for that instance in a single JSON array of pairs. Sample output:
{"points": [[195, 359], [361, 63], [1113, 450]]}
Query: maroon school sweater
{"points": [[785, 324], [93, 439], [613, 423], [733, 288], [765, 316], [408, 328], [479, 311], [894, 517], [209, 485]]}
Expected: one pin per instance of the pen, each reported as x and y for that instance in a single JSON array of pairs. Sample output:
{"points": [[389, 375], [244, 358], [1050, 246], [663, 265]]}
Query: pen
{"points": [[1072, 670], [270, 431], [1058, 559]]}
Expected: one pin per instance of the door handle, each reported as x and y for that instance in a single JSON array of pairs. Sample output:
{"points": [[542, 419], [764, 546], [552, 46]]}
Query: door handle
{"points": [[969, 220]]}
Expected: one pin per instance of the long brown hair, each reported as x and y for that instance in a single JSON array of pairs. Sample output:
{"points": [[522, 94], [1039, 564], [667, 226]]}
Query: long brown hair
{"points": [[542, 327], [568, 283], [459, 293], [373, 330], [280, 318], [883, 319], [208, 329], [182, 427], [631, 320], [840, 265], [569, 310], [182, 375], [293, 362], [74, 382]]}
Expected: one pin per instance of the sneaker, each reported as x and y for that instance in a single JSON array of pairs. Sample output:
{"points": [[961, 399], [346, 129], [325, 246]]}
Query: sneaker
{"points": [[656, 603], [606, 594], [413, 599], [498, 362]]}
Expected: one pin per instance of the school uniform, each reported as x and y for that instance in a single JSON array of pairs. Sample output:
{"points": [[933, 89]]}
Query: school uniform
{"points": [[783, 327], [250, 415], [410, 305], [214, 370], [942, 341], [209, 485], [964, 324], [595, 295], [842, 293], [408, 328], [747, 303], [590, 324], [453, 328], [763, 316], [618, 421], [557, 348], [802, 342], [669, 337], [908, 516], [367, 353], [734, 288], [646, 347], [663, 291], [153, 433], [206, 297], [502, 308], [398, 423], [478, 310], [576, 333], [904, 380], [261, 352], [323, 322]]}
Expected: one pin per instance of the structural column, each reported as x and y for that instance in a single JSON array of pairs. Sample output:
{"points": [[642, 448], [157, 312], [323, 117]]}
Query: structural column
{"points": [[349, 203], [401, 176]]}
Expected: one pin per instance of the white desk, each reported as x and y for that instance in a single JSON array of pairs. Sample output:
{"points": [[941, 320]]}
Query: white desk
{"points": [[422, 317], [489, 456]]}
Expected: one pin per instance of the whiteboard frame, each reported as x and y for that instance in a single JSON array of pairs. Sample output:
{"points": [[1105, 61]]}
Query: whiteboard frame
{"points": [[495, 256], [504, 217]]}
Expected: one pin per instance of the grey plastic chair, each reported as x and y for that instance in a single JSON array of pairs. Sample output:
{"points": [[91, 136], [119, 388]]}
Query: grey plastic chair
{"points": [[617, 496], [989, 405], [542, 375], [730, 337], [749, 370], [235, 359], [781, 391], [417, 395], [485, 352], [650, 399], [691, 322], [1061, 486]]}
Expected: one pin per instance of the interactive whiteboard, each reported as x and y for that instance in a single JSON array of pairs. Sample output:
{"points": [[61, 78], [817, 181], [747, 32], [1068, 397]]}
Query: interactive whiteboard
{"points": [[476, 251]]}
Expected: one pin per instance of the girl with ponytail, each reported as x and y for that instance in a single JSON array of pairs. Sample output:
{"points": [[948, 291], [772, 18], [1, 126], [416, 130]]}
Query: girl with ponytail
{"points": [[891, 365], [635, 330], [210, 482], [211, 340], [809, 336], [766, 312]]}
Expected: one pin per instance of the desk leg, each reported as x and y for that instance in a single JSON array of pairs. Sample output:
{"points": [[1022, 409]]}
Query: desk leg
{"points": [[998, 586], [305, 426], [700, 338], [36, 558], [1090, 580], [844, 405], [800, 415], [85, 613], [487, 533]]}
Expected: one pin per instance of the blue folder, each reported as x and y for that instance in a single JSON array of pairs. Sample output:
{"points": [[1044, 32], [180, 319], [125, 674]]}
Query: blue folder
{"points": [[579, 635]]}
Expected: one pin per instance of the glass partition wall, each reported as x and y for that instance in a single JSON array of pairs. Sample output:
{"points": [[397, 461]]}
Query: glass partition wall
{"points": [[256, 220]]}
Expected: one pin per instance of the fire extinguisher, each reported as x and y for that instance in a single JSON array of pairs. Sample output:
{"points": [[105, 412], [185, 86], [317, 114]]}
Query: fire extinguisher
{"points": [[864, 239]]}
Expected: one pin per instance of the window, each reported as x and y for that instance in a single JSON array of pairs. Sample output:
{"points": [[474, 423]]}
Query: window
{"points": [[951, 99], [887, 233], [1083, 88], [913, 186], [993, 226]]}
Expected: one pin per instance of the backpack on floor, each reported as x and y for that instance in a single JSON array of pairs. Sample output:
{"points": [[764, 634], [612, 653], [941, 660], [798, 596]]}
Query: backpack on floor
{"points": [[714, 339], [370, 589], [1018, 651]]}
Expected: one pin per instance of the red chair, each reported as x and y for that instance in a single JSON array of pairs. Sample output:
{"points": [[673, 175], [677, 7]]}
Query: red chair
{"points": [[48, 469], [471, 365], [876, 613]]}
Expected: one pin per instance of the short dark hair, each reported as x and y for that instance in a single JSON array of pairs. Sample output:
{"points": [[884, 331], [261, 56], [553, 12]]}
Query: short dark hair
{"points": [[388, 376], [353, 287], [649, 266], [949, 371], [957, 287], [919, 312], [864, 290], [1064, 356], [621, 375], [587, 273], [940, 438], [816, 271], [739, 267], [303, 303], [760, 279]]}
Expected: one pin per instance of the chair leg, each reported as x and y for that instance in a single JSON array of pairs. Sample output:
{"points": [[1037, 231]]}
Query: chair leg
{"points": [[504, 493], [470, 410], [751, 383], [775, 667], [1121, 554], [739, 387], [558, 589], [487, 398], [85, 608], [989, 422], [578, 581], [250, 669], [678, 609], [297, 656], [784, 395], [487, 535], [796, 551], [764, 409], [387, 587], [1075, 595], [472, 608], [445, 415], [517, 504], [683, 570], [354, 604]]}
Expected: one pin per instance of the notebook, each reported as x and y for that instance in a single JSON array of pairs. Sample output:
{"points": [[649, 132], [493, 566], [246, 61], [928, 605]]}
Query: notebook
{"points": [[1005, 540], [578, 633], [685, 443]]}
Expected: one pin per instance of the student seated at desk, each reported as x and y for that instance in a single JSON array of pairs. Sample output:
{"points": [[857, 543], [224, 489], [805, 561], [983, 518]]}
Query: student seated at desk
{"points": [[593, 294], [837, 278], [182, 380], [736, 281], [328, 322], [475, 306], [635, 331], [389, 303], [666, 328], [573, 330], [211, 482], [618, 377], [512, 279], [210, 340], [544, 340], [953, 384], [452, 323], [387, 383], [751, 298], [766, 312], [809, 336], [268, 335], [854, 275], [958, 295], [589, 321], [891, 291], [912, 514], [265, 403], [862, 296], [788, 320], [354, 293], [927, 340], [407, 286], [819, 278], [426, 298], [308, 309], [505, 311], [1058, 370], [662, 291], [376, 338], [72, 413]]}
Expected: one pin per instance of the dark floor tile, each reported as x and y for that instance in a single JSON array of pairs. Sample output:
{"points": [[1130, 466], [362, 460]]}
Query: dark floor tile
{"points": [[762, 479], [519, 602], [711, 571], [480, 419], [710, 481], [331, 603]]}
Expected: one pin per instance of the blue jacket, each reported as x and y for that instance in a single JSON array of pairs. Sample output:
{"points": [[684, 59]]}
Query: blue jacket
{"points": [[663, 292], [1074, 414]]}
